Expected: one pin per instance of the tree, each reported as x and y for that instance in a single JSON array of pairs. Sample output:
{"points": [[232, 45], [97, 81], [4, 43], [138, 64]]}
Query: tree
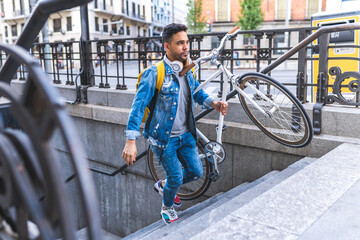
{"points": [[251, 15], [195, 22]]}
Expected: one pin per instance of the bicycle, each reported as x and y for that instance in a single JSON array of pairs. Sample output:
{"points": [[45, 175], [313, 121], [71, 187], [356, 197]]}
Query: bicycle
{"points": [[269, 104]]}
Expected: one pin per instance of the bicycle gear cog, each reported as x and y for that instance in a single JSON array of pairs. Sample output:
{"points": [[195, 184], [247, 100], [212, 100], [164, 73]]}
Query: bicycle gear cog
{"points": [[216, 150]]}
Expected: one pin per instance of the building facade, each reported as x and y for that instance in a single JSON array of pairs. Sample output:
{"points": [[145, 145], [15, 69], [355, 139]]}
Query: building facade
{"points": [[107, 19], [224, 13]]}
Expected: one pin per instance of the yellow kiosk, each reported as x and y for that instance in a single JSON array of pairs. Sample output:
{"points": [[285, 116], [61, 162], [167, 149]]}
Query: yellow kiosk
{"points": [[345, 38]]}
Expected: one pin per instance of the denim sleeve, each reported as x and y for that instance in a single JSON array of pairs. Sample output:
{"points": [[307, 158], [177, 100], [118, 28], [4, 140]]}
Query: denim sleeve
{"points": [[201, 97], [145, 92]]}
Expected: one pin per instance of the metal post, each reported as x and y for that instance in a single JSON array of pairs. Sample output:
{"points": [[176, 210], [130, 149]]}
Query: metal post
{"points": [[270, 36], [322, 82], [301, 80], [258, 37], [87, 78]]}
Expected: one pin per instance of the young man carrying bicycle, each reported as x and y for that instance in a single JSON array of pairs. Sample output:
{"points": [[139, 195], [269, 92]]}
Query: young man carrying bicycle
{"points": [[170, 129]]}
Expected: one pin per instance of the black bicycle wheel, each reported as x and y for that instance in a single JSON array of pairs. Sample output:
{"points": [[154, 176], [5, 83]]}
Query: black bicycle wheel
{"points": [[189, 190], [285, 119]]}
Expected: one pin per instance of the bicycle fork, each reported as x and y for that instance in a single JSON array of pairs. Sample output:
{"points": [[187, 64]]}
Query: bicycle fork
{"points": [[214, 174]]}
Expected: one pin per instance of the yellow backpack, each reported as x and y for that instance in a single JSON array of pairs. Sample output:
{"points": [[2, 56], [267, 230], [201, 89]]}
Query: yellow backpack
{"points": [[160, 67], [159, 81]]}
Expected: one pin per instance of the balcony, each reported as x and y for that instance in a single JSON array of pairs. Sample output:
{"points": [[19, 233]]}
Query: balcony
{"points": [[17, 13]]}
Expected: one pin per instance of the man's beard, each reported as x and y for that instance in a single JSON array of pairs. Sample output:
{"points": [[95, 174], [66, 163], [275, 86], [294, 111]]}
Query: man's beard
{"points": [[179, 57]]}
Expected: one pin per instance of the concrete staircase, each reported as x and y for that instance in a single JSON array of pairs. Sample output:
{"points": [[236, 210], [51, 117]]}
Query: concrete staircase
{"points": [[198, 218], [308, 200]]}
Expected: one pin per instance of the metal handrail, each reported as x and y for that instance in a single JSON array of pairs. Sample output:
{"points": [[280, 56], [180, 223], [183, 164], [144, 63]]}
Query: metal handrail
{"points": [[308, 40]]}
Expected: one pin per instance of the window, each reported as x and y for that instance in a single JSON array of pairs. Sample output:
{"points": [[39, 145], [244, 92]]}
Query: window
{"points": [[68, 24], [22, 26], [138, 28], [104, 4], [30, 6], [105, 26], [97, 27], [143, 16], [121, 30], [249, 45], [6, 31], [214, 42], [138, 11], [95, 3], [13, 2], [14, 30], [144, 32], [281, 10], [128, 30], [152, 13], [57, 24], [312, 7], [111, 3], [279, 42], [21, 8], [222, 10], [127, 7], [114, 28], [133, 9]]}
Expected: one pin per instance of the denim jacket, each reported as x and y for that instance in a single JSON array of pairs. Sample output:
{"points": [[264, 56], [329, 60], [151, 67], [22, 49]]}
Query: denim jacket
{"points": [[158, 130]]}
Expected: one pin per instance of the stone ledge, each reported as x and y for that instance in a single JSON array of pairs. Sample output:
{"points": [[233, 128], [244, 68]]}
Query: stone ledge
{"points": [[237, 133], [337, 120]]}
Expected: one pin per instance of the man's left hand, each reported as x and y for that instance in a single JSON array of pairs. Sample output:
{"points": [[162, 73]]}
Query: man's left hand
{"points": [[220, 106]]}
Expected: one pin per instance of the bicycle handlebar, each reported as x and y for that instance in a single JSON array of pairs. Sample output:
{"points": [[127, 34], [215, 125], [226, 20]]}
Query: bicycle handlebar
{"points": [[233, 30], [214, 53]]}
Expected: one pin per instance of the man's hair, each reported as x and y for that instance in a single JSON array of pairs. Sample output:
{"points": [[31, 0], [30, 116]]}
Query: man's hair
{"points": [[172, 29]]}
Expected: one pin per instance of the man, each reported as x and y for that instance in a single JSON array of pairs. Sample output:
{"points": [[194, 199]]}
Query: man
{"points": [[171, 131]]}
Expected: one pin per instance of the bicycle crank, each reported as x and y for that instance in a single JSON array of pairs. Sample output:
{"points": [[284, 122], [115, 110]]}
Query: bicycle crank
{"points": [[215, 151]]}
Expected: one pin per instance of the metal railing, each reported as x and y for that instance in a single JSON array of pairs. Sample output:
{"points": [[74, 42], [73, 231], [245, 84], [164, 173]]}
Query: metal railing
{"points": [[117, 62]]}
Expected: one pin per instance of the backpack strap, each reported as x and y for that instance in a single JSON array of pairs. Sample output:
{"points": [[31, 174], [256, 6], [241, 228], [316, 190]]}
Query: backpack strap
{"points": [[160, 67], [160, 75]]}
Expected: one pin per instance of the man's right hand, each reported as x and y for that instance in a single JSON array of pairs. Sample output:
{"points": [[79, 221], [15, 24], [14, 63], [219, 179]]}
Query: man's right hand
{"points": [[129, 152]]}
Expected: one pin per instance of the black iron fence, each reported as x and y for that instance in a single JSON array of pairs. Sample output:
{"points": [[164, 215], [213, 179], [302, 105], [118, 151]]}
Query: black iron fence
{"points": [[297, 57]]}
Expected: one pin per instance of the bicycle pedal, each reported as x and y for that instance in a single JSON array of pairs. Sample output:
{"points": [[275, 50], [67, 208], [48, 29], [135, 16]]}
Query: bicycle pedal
{"points": [[213, 176], [223, 129]]}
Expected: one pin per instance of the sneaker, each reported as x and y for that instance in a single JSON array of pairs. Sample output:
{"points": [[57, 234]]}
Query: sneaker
{"points": [[158, 188], [168, 215]]}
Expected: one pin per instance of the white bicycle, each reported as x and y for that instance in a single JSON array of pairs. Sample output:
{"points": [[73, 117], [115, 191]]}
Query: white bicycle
{"points": [[268, 103]]}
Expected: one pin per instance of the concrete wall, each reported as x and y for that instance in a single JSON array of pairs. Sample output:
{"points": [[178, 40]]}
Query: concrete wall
{"points": [[128, 202]]}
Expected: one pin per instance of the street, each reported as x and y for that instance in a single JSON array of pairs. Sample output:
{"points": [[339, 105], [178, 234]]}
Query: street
{"points": [[131, 72]]}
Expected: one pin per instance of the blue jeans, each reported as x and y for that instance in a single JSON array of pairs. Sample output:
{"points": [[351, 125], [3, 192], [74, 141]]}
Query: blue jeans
{"points": [[181, 162]]}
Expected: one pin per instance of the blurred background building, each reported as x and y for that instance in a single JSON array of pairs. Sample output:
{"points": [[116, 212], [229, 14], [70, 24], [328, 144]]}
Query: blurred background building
{"points": [[107, 18]]}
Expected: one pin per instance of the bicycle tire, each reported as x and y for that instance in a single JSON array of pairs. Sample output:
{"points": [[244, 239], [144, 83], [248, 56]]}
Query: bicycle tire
{"points": [[289, 125], [188, 191]]}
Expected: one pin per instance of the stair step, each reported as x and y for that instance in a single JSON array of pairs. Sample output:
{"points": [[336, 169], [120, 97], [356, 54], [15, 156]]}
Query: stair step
{"points": [[297, 204], [212, 202], [82, 235], [182, 215], [215, 212]]}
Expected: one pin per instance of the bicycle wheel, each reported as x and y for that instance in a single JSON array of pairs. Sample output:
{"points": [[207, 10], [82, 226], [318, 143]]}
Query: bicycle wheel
{"points": [[189, 190], [286, 120]]}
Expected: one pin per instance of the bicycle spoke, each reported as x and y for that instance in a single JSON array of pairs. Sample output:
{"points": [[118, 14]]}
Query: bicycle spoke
{"points": [[287, 124], [189, 190]]}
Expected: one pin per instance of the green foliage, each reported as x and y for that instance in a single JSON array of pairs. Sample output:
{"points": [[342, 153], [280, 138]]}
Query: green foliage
{"points": [[251, 16], [195, 22]]}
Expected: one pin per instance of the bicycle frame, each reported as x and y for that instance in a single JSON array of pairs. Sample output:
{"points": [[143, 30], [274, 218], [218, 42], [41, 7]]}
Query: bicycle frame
{"points": [[228, 76]]}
